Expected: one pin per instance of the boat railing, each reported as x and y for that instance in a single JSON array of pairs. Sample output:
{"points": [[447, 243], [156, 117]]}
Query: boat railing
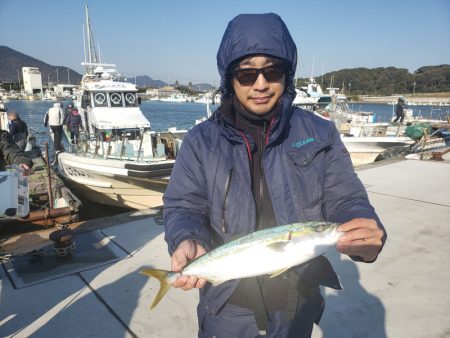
{"points": [[145, 146]]}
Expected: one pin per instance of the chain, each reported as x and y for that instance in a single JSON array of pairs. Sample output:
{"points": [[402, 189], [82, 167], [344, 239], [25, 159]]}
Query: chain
{"points": [[41, 253], [66, 251]]}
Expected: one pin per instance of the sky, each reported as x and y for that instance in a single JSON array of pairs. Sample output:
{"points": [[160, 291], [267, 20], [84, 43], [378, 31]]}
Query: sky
{"points": [[178, 40]]}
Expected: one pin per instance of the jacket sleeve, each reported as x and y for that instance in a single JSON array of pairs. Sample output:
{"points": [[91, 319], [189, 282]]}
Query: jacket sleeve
{"points": [[61, 116], [12, 127], [12, 152], [46, 119], [185, 200], [345, 198]]}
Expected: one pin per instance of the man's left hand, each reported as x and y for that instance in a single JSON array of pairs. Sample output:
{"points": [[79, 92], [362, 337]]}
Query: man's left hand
{"points": [[362, 237]]}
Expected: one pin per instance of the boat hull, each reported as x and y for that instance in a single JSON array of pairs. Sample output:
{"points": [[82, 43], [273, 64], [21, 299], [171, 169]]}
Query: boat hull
{"points": [[123, 184], [366, 149]]}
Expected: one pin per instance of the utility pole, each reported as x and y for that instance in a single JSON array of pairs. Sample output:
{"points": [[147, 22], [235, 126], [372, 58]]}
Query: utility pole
{"points": [[18, 78]]}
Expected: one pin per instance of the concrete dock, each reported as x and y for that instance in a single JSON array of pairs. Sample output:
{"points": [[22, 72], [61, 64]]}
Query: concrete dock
{"points": [[404, 294]]}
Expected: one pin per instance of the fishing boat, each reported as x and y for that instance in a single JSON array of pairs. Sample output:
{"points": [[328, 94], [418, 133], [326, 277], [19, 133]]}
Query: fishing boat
{"points": [[118, 160], [365, 139]]}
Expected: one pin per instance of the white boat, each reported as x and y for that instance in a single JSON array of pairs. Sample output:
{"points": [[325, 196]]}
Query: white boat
{"points": [[118, 160], [308, 95], [49, 96], [365, 139], [178, 97]]}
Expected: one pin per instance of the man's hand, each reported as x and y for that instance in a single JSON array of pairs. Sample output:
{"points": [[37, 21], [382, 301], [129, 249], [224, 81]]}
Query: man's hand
{"points": [[26, 170], [184, 253], [361, 237]]}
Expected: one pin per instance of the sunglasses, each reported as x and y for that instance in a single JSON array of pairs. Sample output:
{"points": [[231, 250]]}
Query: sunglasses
{"points": [[248, 76]]}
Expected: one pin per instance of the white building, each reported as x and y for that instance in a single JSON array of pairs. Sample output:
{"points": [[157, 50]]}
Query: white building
{"points": [[32, 80]]}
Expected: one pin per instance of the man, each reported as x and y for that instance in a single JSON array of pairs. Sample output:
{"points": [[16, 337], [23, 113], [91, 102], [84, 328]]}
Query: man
{"points": [[67, 113], [11, 154], [54, 117], [73, 123], [17, 129], [259, 162], [400, 110]]}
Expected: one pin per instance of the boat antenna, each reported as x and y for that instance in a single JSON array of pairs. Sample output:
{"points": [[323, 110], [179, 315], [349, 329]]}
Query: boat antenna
{"points": [[84, 43]]}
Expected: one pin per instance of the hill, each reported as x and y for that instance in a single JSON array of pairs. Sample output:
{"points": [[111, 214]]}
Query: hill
{"points": [[356, 81], [387, 81], [145, 81], [12, 60]]}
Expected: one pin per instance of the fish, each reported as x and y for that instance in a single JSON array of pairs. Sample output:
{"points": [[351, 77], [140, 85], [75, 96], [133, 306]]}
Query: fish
{"points": [[269, 251]]}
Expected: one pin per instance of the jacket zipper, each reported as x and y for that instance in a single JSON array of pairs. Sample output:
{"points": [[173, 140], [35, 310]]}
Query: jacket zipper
{"points": [[263, 142], [225, 200]]}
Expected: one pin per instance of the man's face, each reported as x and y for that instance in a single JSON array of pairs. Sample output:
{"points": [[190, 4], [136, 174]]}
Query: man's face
{"points": [[261, 95]]}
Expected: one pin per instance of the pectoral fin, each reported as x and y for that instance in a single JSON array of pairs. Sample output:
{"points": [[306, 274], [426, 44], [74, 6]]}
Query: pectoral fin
{"points": [[281, 242], [277, 246]]}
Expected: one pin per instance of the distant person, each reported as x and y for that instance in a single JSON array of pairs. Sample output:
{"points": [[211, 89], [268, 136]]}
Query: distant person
{"points": [[2, 106], [10, 153], [400, 110], [67, 112], [18, 129], [54, 117], [74, 123]]}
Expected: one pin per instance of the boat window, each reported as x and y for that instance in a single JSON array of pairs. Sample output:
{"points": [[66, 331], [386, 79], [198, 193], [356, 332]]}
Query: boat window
{"points": [[116, 99], [130, 99], [100, 99]]}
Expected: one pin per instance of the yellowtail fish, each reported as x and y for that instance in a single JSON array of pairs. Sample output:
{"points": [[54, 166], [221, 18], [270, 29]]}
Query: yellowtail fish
{"points": [[269, 251]]}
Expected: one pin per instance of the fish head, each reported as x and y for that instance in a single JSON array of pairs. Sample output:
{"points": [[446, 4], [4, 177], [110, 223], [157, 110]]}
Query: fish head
{"points": [[313, 228], [325, 227]]}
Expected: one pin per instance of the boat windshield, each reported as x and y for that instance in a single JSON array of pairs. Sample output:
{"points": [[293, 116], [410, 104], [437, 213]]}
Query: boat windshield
{"points": [[114, 99]]}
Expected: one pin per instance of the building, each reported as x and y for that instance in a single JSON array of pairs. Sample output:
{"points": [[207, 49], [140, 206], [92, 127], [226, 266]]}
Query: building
{"points": [[32, 80]]}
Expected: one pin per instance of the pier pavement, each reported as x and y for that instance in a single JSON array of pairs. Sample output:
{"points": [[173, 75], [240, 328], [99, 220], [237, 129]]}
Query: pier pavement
{"points": [[404, 294]]}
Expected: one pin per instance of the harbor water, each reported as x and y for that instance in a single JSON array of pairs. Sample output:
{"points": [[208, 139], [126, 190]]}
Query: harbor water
{"points": [[163, 115]]}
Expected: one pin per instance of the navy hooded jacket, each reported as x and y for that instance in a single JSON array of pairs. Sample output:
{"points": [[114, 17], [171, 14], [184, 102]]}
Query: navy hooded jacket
{"points": [[307, 168]]}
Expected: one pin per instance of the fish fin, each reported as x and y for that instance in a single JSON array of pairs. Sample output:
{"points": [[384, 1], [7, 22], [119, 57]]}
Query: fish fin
{"points": [[278, 246], [279, 272], [281, 242], [161, 276]]}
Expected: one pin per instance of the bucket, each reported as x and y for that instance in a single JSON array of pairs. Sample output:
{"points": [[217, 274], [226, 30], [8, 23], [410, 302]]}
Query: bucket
{"points": [[14, 199]]}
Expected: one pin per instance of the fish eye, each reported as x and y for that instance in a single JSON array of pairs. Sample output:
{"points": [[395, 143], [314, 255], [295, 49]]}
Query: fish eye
{"points": [[320, 228]]}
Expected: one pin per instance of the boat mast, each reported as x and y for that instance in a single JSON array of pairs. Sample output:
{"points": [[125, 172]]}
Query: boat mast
{"points": [[92, 53]]}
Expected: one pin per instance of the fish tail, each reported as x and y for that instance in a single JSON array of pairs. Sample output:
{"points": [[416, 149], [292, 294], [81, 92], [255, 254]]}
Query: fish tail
{"points": [[162, 277]]}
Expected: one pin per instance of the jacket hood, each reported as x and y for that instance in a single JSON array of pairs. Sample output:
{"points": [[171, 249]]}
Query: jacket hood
{"points": [[249, 34]]}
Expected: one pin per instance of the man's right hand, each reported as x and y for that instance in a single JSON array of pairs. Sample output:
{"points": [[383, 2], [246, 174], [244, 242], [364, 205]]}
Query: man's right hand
{"points": [[184, 253], [26, 170]]}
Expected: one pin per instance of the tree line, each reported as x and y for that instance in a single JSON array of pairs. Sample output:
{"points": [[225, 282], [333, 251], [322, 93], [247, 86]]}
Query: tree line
{"points": [[386, 81]]}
